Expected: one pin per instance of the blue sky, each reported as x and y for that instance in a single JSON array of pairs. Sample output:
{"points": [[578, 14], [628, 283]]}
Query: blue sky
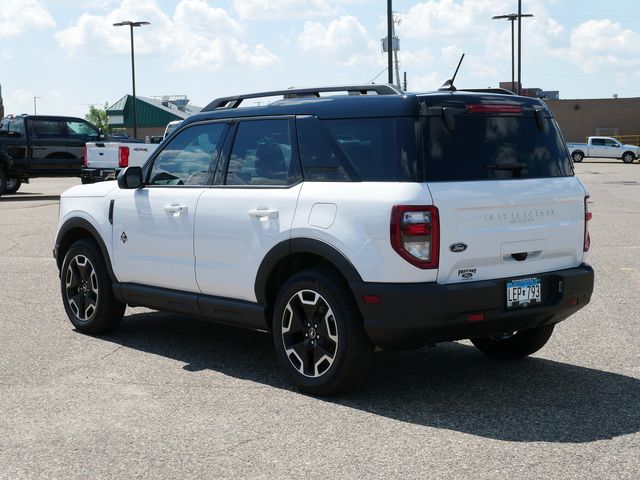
{"points": [[68, 52]]}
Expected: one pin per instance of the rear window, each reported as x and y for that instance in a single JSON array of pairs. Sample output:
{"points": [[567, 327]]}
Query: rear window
{"points": [[358, 149], [484, 147]]}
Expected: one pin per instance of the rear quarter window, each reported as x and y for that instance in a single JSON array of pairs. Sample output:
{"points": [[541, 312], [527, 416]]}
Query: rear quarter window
{"points": [[484, 147]]}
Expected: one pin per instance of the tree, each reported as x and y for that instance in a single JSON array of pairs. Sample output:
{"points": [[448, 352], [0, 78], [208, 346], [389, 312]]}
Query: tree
{"points": [[98, 116]]}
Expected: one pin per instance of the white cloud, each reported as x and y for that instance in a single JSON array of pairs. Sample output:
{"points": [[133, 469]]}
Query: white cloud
{"points": [[270, 9], [603, 46], [196, 36], [344, 39], [20, 16], [6, 54]]}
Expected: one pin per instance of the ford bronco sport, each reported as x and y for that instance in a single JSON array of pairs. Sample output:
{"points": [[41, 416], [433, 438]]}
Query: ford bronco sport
{"points": [[339, 223]]}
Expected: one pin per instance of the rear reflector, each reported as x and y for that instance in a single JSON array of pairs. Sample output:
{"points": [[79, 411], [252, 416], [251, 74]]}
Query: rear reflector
{"points": [[572, 301], [123, 157], [371, 299], [484, 108], [476, 317]]}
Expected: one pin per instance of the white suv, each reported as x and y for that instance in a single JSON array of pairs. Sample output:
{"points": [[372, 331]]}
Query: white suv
{"points": [[339, 223]]}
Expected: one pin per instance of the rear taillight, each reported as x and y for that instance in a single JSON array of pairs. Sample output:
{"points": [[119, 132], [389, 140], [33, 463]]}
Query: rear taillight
{"points": [[85, 163], [415, 234], [587, 217], [123, 157]]}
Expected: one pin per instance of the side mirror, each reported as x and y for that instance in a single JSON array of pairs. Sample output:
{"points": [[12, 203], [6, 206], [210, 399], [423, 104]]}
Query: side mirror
{"points": [[130, 178]]}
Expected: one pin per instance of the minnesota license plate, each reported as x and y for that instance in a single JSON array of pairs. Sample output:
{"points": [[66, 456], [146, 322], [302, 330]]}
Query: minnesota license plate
{"points": [[523, 292]]}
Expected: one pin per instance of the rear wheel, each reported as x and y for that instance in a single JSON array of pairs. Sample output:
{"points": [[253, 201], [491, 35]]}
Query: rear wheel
{"points": [[514, 344], [86, 290], [318, 334], [12, 185], [3, 181], [628, 157], [577, 156]]}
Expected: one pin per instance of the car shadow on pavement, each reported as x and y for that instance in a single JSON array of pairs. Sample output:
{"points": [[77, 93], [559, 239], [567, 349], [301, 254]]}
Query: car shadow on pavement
{"points": [[450, 386]]}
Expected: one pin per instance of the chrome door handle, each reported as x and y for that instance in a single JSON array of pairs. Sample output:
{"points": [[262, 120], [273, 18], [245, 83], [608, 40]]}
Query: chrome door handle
{"points": [[263, 213], [175, 209]]}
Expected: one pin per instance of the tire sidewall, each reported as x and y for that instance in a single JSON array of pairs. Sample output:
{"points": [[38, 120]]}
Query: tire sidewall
{"points": [[628, 157], [3, 181], [14, 188], [577, 157], [343, 312]]}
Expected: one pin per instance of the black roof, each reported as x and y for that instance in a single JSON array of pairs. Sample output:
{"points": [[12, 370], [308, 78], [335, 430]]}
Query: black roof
{"points": [[354, 106]]}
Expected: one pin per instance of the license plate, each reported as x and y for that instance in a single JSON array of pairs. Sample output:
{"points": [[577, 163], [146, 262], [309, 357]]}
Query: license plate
{"points": [[523, 292]]}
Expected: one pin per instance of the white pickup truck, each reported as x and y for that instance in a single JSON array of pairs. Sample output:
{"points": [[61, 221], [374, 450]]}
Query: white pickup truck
{"points": [[103, 160], [603, 147]]}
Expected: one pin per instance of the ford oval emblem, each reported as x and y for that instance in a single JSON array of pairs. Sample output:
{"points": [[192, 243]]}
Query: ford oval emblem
{"points": [[458, 247]]}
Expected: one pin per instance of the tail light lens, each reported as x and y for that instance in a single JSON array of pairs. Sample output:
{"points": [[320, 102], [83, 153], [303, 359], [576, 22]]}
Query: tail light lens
{"points": [[85, 162], [123, 157], [415, 234], [587, 217]]}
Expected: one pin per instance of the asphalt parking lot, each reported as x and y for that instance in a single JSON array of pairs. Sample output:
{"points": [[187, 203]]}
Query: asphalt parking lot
{"points": [[167, 396]]}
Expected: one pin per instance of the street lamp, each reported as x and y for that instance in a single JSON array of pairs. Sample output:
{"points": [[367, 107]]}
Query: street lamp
{"points": [[133, 68], [512, 17], [35, 107], [390, 40]]}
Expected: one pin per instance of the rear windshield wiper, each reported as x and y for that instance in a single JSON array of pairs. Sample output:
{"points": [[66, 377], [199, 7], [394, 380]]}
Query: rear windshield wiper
{"points": [[514, 167]]}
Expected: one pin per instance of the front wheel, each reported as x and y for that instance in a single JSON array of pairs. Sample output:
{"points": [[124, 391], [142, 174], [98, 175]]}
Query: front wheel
{"points": [[87, 290], [514, 344], [318, 334], [628, 157], [12, 185], [577, 156]]}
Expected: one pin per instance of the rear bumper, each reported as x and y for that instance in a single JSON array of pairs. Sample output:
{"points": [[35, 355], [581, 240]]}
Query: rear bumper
{"points": [[416, 314]]}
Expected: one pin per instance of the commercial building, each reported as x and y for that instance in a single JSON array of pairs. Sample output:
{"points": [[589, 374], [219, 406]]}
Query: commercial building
{"points": [[152, 113]]}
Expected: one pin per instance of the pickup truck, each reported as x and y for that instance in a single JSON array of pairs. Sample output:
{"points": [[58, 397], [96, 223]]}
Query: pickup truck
{"points": [[103, 160], [42, 146], [603, 147]]}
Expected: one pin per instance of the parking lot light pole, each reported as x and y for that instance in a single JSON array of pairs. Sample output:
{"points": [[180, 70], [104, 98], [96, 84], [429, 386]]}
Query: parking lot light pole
{"points": [[35, 106], [133, 68], [512, 17]]}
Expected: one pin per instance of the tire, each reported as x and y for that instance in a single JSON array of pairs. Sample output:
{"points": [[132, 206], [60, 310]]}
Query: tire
{"points": [[12, 185], [86, 290], [318, 334], [628, 157], [514, 344], [3, 181], [577, 157]]}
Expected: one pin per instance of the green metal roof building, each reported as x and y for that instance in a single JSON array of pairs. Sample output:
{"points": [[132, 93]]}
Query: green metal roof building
{"points": [[153, 113]]}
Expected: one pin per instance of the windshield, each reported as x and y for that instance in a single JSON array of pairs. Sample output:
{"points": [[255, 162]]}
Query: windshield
{"points": [[484, 147]]}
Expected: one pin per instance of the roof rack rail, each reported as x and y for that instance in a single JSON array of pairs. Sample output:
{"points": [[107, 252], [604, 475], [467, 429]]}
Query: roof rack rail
{"points": [[236, 100], [501, 91]]}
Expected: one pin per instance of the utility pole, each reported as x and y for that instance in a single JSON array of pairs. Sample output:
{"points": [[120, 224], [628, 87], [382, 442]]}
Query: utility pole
{"points": [[512, 17], [35, 105], [390, 40], [131, 24], [519, 47]]}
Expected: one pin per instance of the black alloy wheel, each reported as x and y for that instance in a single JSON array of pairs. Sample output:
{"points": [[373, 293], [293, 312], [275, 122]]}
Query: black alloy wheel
{"points": [[318, 334], [12, 185], [87, 290]]}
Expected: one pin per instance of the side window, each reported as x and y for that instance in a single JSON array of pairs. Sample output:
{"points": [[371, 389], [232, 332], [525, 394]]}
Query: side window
{"points": [[597, 142], [610, 143], [15, 125], [190, 158], [82, 130], [321, 158], [48, 128], [262, 154]]}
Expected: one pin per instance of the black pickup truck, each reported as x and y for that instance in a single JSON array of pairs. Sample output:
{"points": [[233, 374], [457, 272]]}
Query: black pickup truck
{"points": [[42, 146]]}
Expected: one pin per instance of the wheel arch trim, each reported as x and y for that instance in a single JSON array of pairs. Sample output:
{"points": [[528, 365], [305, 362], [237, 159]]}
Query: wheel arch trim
{"points": [[82, 224], [294, 246]]}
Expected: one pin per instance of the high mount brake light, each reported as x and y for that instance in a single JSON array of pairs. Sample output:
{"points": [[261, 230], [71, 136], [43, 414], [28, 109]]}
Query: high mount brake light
{"points": [[415, 234], [587, 217], [123, 157], [486, 108]]}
